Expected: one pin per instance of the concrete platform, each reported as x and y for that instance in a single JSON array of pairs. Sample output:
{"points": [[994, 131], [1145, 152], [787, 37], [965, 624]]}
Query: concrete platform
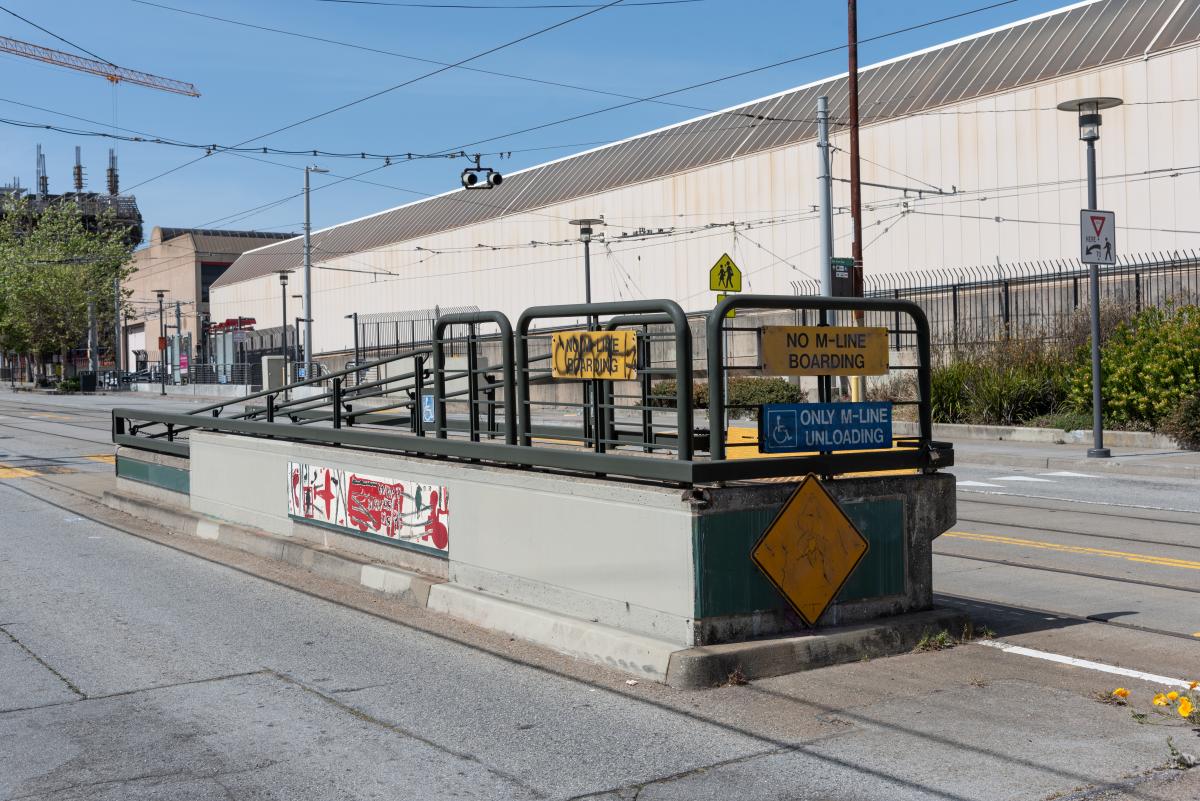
{"points": [[636, 654]]}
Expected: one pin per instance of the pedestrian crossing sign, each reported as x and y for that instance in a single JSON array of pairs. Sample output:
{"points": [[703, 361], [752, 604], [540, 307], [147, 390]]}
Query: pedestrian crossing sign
{"points": [[725, 276]]}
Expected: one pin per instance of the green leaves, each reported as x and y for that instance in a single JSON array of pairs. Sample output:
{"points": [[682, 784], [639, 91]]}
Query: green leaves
{"points": [[51, 265]]}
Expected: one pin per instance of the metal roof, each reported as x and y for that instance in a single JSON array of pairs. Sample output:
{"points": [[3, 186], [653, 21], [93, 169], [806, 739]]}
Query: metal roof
{"points": [[1062, 42]]}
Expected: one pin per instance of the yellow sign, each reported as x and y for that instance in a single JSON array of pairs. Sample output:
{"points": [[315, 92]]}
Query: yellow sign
{"points": [[725, 276], [720, 297], [824, 350], [809, 550], [610, 355]]}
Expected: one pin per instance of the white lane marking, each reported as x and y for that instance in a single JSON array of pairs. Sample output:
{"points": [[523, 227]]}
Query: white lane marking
{"points": [[976, 484], [1021, 650], [1092, 503], [1069, 474], [1025, 478]]}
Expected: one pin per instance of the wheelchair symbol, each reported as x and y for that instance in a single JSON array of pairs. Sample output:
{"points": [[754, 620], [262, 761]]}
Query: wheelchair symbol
{"points": [[782, 434]]}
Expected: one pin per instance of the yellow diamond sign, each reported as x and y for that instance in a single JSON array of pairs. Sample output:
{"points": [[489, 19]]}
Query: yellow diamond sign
{"points": [[809, 550]]}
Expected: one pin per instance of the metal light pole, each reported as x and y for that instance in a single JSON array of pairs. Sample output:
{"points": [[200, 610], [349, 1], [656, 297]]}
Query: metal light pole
{"points": [[592, 388], [357, 375], [296, 359], [296, 344], [1088, 111], [162, 335], [283, 282], [585, 236], [307, 269]]}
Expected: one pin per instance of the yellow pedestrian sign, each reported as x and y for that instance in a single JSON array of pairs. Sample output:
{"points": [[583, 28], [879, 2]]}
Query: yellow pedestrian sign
{"points": [[725, 276], [809, 550], [732, 312]]}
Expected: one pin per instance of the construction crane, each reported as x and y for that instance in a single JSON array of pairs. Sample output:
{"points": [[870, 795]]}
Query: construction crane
{"points": [[102, 68]]}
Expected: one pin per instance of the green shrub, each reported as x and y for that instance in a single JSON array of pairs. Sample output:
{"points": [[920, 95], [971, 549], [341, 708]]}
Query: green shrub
{"points": [[1009, 384], [745, 393], [1148, 367], [1183, 425], [68, 385]]}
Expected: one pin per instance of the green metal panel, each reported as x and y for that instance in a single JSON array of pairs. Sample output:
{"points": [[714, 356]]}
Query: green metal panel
{"points": [[175, 479], [728, 583]]}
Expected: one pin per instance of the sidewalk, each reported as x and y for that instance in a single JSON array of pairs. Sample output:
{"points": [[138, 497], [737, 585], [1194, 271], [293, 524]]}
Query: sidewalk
{"points": [[1130, 461]]}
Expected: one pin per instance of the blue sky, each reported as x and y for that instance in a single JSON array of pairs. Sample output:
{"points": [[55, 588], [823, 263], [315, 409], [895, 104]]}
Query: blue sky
{"points": [[253, 81]]}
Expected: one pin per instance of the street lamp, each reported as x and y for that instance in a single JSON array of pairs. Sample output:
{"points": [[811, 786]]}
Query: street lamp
{"points": [[162, 336], [591, 390], [357, 374], [283, 282], [1088, 111], [308, 267], [585, 236]]}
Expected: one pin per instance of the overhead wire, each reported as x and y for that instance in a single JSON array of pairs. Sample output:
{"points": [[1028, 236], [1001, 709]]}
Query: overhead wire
{"points": [[505, 6], [56, 36], [406, 56], [402, 84]]}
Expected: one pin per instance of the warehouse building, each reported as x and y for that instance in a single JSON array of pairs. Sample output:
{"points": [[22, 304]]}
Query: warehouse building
{"points": [[967, 162]]}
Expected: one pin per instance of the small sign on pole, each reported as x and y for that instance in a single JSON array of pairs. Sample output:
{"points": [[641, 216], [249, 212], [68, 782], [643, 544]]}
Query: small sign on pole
{"points": [[720, 297], [1097, 236], [725, 276]]}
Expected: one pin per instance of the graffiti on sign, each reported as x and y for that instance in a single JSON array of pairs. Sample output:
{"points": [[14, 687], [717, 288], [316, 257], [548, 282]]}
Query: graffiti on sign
{"points": [[610, 355], [824, 350], [401, 512]]}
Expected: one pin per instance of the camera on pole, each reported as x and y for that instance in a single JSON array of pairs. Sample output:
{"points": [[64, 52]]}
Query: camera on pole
{"points": [[471, 176]]}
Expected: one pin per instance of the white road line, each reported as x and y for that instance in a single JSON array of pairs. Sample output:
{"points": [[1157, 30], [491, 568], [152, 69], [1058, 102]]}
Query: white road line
{"points": [[1025, 478], [976, 484], [1069, 474], [1021, 650]]}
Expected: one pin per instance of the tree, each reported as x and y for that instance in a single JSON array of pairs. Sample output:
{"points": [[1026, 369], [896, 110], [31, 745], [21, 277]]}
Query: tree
{"points": [[51, 266]]}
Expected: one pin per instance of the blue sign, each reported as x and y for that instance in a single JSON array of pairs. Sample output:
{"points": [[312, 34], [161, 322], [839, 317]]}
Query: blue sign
{"points": [[803, 427], [427, 414]]}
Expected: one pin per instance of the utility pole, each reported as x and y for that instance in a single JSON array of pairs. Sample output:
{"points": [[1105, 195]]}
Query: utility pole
{"points": [[307, 272], [825, 193], [117, 345], [178, 343], [858, 383], [162, 339], [93, 344], [283, 321]]}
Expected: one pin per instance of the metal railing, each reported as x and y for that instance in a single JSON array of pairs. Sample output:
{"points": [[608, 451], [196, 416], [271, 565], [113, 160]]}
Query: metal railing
{"points": [[493, 413]]}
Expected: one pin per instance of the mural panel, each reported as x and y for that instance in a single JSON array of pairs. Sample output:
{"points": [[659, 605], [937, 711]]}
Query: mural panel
{"points": [[404, 513]]}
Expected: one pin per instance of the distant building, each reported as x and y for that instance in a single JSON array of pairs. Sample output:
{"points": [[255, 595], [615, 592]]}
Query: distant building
{"points": [[185, 262]]}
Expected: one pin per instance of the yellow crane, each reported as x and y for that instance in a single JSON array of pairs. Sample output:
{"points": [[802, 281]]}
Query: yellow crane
{"points": [[102, 68]]}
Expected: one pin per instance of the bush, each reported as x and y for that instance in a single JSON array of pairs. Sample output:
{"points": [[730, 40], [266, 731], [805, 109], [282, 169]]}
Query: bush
{"points": [[1007, 385], [1183, 425], [1149, 367], [68, 385], [745, 393]]}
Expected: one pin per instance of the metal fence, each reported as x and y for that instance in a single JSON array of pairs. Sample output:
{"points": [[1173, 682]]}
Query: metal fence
{"points": [[389, 333], [1044, 300]]}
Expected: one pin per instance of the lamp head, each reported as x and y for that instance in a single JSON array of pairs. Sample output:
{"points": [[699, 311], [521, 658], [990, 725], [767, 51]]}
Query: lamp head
{"points": [[1088, 111]]}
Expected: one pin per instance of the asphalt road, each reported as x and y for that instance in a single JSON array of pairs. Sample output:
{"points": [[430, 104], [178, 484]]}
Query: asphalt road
{"points": [[139, 665]]}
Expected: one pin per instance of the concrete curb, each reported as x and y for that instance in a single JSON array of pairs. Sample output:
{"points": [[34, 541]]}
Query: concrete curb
{"points": [[1045, 436], [1158, 469], [407, 587], [711, 665], [633, 653]]}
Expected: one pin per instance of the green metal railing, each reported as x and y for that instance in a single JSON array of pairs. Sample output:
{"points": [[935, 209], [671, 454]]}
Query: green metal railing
{"points": [[623, 429]]}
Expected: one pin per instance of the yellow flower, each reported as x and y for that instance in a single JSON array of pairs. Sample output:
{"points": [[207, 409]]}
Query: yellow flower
{"points": [[1160, 700], [1121, 692], [1174, 696], [1185, 708]]}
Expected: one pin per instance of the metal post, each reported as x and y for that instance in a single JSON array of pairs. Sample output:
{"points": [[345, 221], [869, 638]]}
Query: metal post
{"points": [[1097, 450], [162, 335], [93, 339], [337, 403], [178, 339], [117, 344], [858, 383], [283, 347], [825, 194], [357, 357]]}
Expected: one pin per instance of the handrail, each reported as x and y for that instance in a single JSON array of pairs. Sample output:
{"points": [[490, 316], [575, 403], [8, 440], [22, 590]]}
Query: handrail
{"points": [[683, 351], [716, 349], [506, 356]]}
